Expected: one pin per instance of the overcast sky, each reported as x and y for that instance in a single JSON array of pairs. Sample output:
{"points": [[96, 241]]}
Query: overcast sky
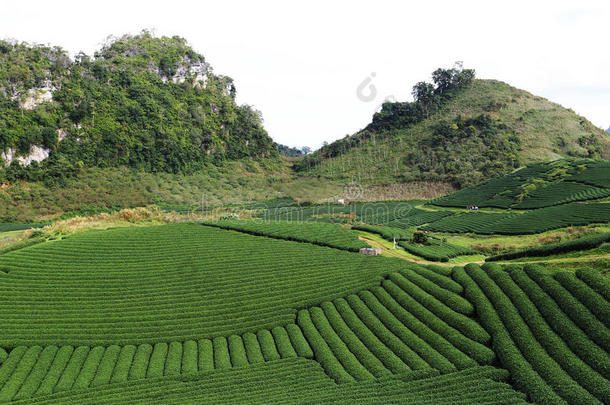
{"points": [[302, 63]]}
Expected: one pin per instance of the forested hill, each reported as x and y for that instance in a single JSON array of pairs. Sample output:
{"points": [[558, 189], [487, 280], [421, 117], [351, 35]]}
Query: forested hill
{"points": [[140, 101], [460, 130]]}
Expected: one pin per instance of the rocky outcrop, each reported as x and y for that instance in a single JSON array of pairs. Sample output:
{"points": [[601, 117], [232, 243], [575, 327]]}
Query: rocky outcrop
{"points": [[35, 96], [37, 154]]}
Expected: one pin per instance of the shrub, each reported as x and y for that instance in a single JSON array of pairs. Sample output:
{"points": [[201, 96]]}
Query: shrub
{"points": [[406, 354], [237, 351], [298, 341], [475, 350], [586, 295], [364, 355], [443, 281], [385, 232], [556, 348], [322, 352], [253, 349], [72, 369], [524, 377], [189, 357], [415, 342], [389, 359], [173, 362], [436, 252], [222, 359], [17, 378], [465, 325], [596, 330], [571, 334], [323, 234], [338, 347], [156, 365], [38, 373], [265, 339], [596, 281], [449, 298], [57, 367], [438, 342], [282, 342], [206, 355], [123, 364], [106, 366], [140, 362]]}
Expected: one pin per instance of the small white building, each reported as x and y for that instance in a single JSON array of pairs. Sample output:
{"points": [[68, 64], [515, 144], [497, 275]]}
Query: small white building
{"points": [[370, 251]]}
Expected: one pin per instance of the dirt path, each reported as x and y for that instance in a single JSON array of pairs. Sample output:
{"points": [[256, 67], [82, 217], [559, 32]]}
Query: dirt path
{"points": [[391, 253]]}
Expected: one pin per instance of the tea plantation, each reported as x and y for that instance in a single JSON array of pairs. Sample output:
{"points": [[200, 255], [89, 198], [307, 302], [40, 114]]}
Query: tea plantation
{"points": [[287, 311], [179, 313]]}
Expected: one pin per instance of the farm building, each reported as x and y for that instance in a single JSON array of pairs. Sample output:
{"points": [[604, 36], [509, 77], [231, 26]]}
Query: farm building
{"points": [[370, 251]]}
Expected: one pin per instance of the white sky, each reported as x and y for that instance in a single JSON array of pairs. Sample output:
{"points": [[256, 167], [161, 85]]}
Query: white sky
{"points": [[301, 63]]}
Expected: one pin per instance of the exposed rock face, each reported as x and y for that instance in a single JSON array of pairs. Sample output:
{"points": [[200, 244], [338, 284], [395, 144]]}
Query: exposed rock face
{"points": [[37, 154], [36, 95], [197, 70]]}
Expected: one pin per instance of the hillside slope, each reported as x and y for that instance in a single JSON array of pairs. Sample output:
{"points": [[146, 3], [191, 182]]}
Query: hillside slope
{"points": [[144, 102], [479, 130]]}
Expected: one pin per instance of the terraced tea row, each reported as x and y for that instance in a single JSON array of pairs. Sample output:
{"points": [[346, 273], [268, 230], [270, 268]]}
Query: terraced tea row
{"points": [[169, 283], [531, 222], [537, 186], [585, 243], [408, 323], [551, 333], [561, 193], [322, 234], [370, 213], [298, 381], [437, 251], [36, 371], [386, 232]]}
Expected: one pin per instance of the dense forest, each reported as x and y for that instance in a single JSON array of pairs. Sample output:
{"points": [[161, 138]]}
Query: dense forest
{"points": [[144, 102]]}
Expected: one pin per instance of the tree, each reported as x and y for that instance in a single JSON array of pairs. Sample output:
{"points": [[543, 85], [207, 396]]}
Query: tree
{"points": [[423, 93]]}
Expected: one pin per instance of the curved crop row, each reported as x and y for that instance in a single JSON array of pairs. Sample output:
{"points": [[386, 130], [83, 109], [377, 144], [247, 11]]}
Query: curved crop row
{"points": [[144, 285], [525, 377], [299, 381], [34, 371], [557, 349], [385, 232], [323, 234], [441, 252], [586, 243], [594, 328], [596, 281], [531, 222], [563, 326], [548, 357]]}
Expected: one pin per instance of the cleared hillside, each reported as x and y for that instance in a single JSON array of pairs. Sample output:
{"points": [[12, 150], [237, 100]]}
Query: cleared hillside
{"points": [[479, 130]]}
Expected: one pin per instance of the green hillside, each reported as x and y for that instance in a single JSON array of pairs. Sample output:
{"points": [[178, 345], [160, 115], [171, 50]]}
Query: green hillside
{"points": [[460, 133], [144, 102], [537, 186]]}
